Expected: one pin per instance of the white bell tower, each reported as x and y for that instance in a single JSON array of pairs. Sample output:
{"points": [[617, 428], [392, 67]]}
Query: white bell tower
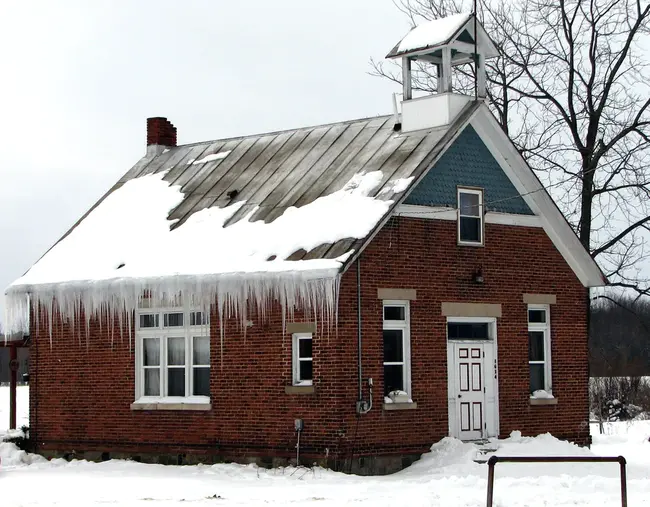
{"points": [[444, 43]]}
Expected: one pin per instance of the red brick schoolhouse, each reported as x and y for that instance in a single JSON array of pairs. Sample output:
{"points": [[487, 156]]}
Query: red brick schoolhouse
{"points": [[395, 280]]}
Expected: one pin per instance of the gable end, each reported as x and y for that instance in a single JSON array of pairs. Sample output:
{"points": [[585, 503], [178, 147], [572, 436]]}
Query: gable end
{"points": [[468, 162]]}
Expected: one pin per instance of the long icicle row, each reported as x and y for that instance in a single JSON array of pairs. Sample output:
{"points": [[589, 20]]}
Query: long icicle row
{"points": [[314, 293]]}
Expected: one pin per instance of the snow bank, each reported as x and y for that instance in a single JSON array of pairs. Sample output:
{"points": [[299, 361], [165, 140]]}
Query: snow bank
{"points": [[11, 456], [125, 246], [432, 32]]}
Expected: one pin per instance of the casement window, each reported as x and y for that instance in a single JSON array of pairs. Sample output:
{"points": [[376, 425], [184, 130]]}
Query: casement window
{"points": [[470, 216], [172, 354], [397, 347], [539, 348], [303, 363]]}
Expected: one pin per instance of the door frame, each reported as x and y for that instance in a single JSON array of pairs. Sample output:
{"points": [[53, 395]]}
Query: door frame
{"points": [[490, 377]]}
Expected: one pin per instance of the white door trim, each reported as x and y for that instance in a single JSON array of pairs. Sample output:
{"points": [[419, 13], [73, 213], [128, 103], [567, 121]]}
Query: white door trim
{"points": [[490, 378]]}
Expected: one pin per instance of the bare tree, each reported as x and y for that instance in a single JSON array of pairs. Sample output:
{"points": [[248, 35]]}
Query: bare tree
{"points": [[571, 88]]}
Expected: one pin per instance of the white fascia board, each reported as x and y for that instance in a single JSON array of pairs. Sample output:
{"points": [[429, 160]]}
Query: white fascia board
{"points": [[445, 213], [535, 195]]}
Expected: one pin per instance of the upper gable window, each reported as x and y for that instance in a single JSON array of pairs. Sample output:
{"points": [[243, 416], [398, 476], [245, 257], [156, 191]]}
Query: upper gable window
{"points": [[470, 216]]}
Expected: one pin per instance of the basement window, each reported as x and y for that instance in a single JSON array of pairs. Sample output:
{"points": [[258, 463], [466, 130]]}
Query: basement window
{"points": [[172, 356], [303, 362], [397, 348], [470, 216], [539, 348]]}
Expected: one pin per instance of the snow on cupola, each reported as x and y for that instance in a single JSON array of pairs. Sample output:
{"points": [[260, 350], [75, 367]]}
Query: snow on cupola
{"points": [[445, 43]]}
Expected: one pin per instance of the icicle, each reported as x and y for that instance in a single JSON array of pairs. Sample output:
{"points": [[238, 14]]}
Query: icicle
{"points": [[316, 294]]}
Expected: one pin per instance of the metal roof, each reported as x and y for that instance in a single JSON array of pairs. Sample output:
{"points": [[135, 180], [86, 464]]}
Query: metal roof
{"points": [[274, 171]]}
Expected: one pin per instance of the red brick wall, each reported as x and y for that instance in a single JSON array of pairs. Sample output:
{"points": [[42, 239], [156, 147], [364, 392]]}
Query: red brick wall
{"points": [[82, 388], [423, 255]]}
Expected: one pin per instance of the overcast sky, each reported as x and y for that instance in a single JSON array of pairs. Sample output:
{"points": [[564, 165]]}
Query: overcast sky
{"points": [[79, 78]]}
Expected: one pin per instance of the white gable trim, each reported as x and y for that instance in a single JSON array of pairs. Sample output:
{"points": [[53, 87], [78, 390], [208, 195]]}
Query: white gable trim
{"points": [[442, 213], [540, 202]]}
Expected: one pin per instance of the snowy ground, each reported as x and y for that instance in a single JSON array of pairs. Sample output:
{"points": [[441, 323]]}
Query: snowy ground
{"points": [[447, 476]]}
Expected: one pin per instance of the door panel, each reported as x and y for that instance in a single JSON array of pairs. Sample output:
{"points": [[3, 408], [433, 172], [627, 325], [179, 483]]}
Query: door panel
{"points": [[470, 391]]}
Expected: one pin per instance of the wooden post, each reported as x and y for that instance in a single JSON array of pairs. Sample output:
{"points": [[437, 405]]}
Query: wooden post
{"points": [[406, 78], [480, 76], [13, 367], [446, 69]]}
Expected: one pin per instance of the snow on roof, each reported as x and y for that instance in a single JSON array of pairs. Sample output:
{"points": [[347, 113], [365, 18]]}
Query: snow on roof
{"points": [[275, 216], [128, 235], [432, 33], [209, 158], [126, 246]]}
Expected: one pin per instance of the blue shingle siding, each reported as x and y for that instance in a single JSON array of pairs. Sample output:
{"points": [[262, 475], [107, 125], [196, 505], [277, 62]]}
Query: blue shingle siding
{"points": [[468, 162]]}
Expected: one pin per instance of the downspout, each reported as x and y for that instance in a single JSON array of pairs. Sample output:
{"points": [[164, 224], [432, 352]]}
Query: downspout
{"points": [[363, 406], [359, 367]]}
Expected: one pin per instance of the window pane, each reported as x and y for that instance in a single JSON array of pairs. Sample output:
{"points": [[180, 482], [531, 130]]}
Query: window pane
{"points": [[176, 351], [148, 320], [470, 229], [393, 378], [176, 382], [304, 347], [535, 345], [201, 382], [173, 320], [306, 370], [201, 349], [469, 204], [536, 377], [394, 313], [198, 319], [537, 316], [152, 382], [393, 346], [468, 330], [151, 348]]}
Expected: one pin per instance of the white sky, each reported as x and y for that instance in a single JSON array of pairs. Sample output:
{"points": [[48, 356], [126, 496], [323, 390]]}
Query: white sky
{"points": [[80, 77]]}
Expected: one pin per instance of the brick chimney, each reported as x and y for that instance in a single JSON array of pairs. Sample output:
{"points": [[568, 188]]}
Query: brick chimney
{"points": [[160, 134]]}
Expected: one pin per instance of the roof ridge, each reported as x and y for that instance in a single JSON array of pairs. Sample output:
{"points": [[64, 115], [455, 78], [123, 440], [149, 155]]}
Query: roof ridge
{"points": [[282, 131]]}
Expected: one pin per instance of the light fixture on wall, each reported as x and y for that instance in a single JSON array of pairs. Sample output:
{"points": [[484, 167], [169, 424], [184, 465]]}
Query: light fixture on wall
{"points": [[477, 276]]}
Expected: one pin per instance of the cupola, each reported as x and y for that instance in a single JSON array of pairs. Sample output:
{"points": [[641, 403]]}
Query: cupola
{"points": [[444, 43]]}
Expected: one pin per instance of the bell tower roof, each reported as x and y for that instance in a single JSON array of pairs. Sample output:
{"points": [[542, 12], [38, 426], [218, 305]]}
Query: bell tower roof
{"points": [[456, 31]]}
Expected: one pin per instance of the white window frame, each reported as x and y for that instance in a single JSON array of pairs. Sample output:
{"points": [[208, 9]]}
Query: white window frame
{"points": [[296, 337], [481, 217], [187, 332], [490, 321], [544, 327], [405, 327]]}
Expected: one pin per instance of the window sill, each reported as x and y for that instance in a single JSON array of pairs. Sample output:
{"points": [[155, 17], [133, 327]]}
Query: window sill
{"points": [[400, 406], [470, 243], [299, 389], [201, 403], [543, 401]]}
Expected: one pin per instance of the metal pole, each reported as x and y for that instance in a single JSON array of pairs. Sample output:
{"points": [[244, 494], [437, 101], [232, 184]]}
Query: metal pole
{"points": [[623, 482], [490, 486], [13, 361]]}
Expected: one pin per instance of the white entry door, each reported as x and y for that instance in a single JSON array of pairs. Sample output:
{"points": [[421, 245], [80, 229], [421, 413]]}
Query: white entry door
{"points": [[470, 390]]}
